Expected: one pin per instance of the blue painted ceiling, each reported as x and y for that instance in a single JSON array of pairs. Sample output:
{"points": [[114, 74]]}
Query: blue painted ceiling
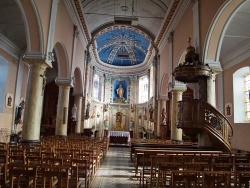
{"points": [[122, 47]]}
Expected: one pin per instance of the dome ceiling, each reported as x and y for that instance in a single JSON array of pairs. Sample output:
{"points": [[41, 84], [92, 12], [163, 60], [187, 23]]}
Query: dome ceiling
{"points": [[122, 46], [123, 30]]}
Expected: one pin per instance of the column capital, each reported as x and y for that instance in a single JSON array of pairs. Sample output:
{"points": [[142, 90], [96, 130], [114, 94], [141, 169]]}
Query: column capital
{"points": [[179, 87], [77, 94], [36, 62], [64, 82], [163, 98]]}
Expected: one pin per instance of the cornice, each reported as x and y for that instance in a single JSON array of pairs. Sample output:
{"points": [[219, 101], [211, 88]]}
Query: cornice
{"points": [[172, 19], [72, 10], [9, 47]]}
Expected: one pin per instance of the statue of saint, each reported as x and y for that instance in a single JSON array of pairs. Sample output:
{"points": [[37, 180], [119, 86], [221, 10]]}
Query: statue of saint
{"points": [[74, 110], [163, 117], [120, 91], [87, 109], [151, 111], [18, 117]]}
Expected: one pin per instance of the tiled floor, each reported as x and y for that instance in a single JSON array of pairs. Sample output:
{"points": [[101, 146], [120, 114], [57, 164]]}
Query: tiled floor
{"points": [[116, 171]]}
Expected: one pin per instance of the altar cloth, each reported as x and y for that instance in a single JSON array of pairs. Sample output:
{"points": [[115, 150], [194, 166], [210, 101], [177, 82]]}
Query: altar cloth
{"points": [[119, 134]]}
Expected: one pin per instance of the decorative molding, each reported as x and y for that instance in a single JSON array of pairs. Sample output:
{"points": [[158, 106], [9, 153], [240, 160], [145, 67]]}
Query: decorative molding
{"points": [[9, 47], [73, 13], [133, 79], [64, 81], [76, 31], [236, 56], [83, 22], [177, 10], [39, 25]]}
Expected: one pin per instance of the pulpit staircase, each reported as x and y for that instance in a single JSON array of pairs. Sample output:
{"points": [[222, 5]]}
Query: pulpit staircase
{"points": [[199, 117]]}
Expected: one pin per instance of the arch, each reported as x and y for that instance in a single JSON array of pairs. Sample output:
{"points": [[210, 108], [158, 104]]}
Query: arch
{"points": [[164, 84], [3, 79], [33, 28], [62, 60], [217, 31], [238, 94], [78, 89]]}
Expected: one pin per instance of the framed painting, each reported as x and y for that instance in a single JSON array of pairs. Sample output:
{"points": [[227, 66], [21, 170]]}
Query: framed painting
{"points": [[9, 100]]}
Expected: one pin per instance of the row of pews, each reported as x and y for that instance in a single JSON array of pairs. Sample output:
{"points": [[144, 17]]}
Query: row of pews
{"points": [[185, 165], [53, 162]]}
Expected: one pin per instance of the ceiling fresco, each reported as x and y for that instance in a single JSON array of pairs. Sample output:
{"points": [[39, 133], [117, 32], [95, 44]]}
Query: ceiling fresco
{"points": [[122, 47]]}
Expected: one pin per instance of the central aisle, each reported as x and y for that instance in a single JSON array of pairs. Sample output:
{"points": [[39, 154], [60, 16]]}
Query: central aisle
{"points": [[116, 170]]}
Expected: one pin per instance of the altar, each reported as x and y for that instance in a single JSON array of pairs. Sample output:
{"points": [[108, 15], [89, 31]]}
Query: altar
{"points": [[119, 137]]}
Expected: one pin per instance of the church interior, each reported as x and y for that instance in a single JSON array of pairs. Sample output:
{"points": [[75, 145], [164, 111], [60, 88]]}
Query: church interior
{"points": [[164, 82]]}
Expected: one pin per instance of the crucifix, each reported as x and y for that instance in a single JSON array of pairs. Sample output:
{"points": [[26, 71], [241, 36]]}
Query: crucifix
{"points": [[44, 81]]}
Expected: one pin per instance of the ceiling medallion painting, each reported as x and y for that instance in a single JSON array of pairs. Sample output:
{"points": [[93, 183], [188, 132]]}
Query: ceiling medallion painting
{"points": [[122, 46]]}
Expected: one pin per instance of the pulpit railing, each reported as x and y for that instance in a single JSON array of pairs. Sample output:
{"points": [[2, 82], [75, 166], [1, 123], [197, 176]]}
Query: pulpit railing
{"points": [[196, 115]]}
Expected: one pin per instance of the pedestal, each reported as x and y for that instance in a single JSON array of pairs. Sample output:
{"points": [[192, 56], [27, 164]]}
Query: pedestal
{"points": [[73, 124]]}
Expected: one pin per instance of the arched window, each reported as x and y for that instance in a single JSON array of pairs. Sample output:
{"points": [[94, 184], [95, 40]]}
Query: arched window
{"points": [[241, 89], [151, 81], [143, 89], [247, 97], [95, 86], [3, 79]]}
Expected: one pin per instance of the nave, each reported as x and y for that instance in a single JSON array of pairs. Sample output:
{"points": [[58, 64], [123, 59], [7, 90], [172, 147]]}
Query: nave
{"points": [[116, 170]]}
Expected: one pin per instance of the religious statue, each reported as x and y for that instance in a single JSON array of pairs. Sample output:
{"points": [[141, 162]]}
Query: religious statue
{"points": [[87, 109], [19, 110], [106, 122], [73, 112], [120, 91], [120, 95], [131, 123], [9, 101], [44, 81], [163, 117], [132, 108], [151, 111], [106, 107]]}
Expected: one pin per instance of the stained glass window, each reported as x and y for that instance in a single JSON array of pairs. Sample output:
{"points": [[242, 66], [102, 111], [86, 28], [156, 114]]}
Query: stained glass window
{"points": [[95, 86], [247, 97], [143, 89]]}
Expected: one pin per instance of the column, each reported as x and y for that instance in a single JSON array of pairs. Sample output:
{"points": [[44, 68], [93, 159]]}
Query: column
{"points": [[211, 98], [78, 102], [62, 106], [34, 100], [176, 134]]}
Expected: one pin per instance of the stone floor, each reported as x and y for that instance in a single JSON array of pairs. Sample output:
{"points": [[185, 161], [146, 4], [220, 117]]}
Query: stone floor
{"points": [[116, 170]]}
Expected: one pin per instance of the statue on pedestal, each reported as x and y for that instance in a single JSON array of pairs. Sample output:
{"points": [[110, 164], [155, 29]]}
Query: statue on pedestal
{"points": [[120, 91], [163, 117], [73, 112], [120, 95]]}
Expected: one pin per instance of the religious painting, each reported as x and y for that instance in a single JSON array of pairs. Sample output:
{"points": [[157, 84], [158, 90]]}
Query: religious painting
{"points": [[119, 116], [9, 100]]}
